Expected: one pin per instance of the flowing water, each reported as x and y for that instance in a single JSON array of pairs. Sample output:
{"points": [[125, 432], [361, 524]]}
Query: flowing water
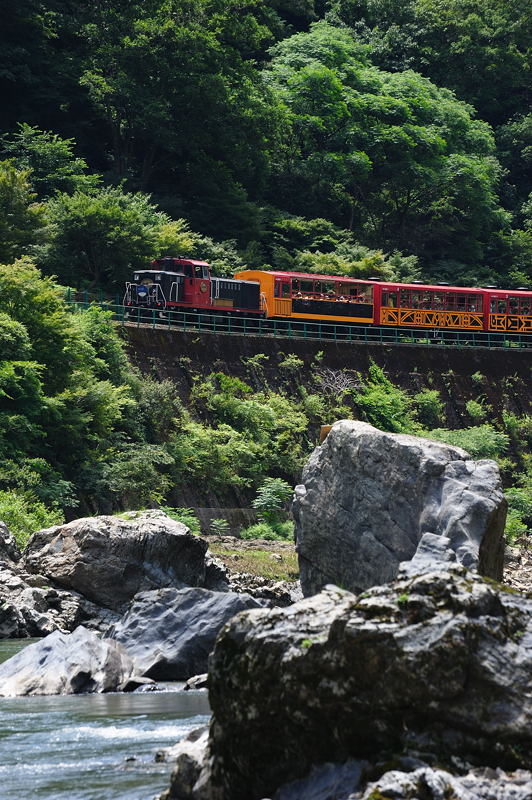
{"points": [[91, 747]]}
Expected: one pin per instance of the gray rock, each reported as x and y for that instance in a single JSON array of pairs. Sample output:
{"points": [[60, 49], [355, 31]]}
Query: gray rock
{"points": [[437, 784], [110, 559], [439, 663], [31, 606], [169, 632], [327, 782], [368, 499], [8, 546], [189, 756], [75, 663], [276, 593], [196, 682]]}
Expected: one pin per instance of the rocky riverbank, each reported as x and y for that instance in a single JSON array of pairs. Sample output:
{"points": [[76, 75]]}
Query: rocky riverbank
{"points": [[420, 685]]}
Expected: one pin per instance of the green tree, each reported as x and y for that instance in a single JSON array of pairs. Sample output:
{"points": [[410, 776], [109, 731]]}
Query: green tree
{"points": [[48, 159], [100, 236], [394, 158], [21, 218], [479, 48]]}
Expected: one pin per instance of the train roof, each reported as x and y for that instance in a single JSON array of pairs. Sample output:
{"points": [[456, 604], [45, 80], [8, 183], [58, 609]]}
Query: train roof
{"points": [[192, 261], [395, 285]]}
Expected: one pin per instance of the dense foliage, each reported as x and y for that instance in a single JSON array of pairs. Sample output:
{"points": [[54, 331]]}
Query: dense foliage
{"points": [[353, 137], [398, 134]]}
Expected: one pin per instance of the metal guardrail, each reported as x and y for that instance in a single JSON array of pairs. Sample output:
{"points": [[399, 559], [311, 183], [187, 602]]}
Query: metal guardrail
{"points": [[297, 329]]}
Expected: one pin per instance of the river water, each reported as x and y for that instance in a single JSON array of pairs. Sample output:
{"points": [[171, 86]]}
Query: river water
{"points": [[91, 747]]}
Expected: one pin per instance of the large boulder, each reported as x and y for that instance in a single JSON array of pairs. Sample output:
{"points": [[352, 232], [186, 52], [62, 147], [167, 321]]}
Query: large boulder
{"points": [[440, 664], [110, 559], [75, 663], [367, 499], [169, 633]]}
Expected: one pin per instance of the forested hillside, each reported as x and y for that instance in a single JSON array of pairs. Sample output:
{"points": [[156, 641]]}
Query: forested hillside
{"points": [[357, 136], [365, 137]]}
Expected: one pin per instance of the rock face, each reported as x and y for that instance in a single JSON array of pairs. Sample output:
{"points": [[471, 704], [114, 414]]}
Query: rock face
{"points": [[8, 547], [110, 559], [169, 633], [439, 663], [75, 663], [367, 498]]}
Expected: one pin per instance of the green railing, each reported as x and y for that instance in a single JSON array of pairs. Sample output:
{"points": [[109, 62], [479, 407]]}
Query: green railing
{"points": [[297, 329]]}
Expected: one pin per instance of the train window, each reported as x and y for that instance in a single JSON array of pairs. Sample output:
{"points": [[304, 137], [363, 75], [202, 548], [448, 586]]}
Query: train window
{"points": [[295, 286], [307, 287], [405, 298], [513, 303], [501, 306], [285, 288], [277, 289], [389, 299], [439, 300], [328, 287]]}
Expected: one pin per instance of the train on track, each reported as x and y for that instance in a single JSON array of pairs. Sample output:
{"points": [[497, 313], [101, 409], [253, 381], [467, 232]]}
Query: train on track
{"points": [[180, 284]]}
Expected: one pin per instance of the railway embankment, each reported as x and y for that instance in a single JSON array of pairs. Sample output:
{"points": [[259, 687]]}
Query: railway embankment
{"points": [[503, 377]]}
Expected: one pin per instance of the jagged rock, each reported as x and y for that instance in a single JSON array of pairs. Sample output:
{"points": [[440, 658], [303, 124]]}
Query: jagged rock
{"points": [[31, 606], [277, 593], [518, 566], [438, 663], [437, 784], [9, 548], [75, 663], [169, 632], [368, 497], [110, 559], [189, 756], [196, 682]]}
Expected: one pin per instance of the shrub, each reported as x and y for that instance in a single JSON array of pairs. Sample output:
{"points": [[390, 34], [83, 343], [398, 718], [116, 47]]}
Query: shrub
{"points": [[260, 531], [219, 527], [272, 497], [430, 409], [24, 515], [477, 410], [291, 363], [482, 441], [384, 405]]}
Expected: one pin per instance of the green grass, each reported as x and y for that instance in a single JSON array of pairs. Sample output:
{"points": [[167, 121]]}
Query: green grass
{"points": [[259, 562]]}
